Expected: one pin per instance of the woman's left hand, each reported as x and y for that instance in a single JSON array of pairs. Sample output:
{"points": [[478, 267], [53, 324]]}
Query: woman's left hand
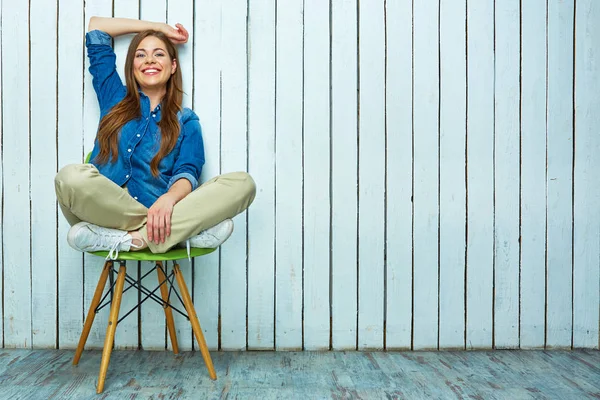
{"points": [[159, 218]]}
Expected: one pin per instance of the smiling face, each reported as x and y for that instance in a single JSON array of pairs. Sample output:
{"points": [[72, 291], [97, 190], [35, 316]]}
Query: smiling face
{"points": [[152, 65]]}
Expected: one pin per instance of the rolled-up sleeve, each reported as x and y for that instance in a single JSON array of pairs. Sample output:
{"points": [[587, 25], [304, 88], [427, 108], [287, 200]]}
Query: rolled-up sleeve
{"points": [[105, 79], [190, 161]]}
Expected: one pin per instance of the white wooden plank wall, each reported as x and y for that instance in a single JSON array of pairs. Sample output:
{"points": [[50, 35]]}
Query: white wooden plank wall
{"points": [[427, 173]]}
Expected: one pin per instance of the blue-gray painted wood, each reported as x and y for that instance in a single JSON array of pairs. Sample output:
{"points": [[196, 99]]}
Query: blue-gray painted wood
{"points": [[506, 176], [480, 174], [586, 207], [533, 174], [306, 375], [332, 109], [559, 181], [398, 86], [426, 174]]}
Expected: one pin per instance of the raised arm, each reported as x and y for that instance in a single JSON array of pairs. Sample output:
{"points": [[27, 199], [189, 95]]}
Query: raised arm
{"points": [[122, 26]]}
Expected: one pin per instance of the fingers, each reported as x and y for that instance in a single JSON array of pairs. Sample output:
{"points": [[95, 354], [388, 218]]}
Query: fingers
{"points": [[158, 225]]}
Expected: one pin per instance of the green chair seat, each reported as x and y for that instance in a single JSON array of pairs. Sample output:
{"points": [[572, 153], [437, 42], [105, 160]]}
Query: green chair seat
{"points": [[147, 255]]}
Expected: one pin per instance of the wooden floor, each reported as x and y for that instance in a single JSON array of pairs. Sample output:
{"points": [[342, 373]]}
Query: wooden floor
{"points": [[48, 374]]}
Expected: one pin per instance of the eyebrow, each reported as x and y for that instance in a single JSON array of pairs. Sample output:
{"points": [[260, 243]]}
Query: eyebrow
{"points": [[144, 50]]}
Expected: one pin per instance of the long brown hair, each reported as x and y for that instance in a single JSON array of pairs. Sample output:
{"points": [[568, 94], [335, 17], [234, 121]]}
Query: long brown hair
{"points": [[129, 108]]}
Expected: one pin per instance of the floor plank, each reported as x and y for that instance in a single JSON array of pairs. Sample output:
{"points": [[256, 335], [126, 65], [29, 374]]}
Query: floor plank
{"points": [[48, 374]]}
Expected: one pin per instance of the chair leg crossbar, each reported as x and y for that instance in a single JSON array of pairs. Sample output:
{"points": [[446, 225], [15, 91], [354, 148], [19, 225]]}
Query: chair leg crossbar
{"points": [[150, 294], [113, 297]]}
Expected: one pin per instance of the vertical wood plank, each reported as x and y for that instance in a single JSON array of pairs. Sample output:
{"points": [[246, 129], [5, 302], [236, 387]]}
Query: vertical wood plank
{"points": [[233, 149], [288, 175], [453, 128], [533, 173], [344, 174], [480, 173], [43, 42], [91, 118], [207, 104], [398, 88], [16, 228], [426, 174], [261, 164], [70, 151], [506, 175], [128, 337], [1, 186], [183, 13], [316, 177], [371, 174], [559, 179], [586, 210], [153, 323]]}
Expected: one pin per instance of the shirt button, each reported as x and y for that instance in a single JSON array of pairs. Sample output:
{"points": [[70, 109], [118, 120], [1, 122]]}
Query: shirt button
{"points": [[138, 135], [126, 176], [129, 150], [153, 115], [135, 198]]}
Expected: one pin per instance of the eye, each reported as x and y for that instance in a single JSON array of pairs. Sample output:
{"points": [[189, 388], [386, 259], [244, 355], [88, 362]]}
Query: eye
{"points": [[139, 55], [160, 54]]}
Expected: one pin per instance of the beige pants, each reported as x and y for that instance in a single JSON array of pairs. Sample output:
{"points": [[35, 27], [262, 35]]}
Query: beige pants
{"points": [[86, 195]]}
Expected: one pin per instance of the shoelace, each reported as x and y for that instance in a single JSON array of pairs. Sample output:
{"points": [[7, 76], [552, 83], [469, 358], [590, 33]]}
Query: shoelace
{"points": [[114, 249]]}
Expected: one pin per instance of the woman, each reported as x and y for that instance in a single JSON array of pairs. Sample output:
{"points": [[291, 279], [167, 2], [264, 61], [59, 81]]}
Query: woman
{"points": [[140, 189]]}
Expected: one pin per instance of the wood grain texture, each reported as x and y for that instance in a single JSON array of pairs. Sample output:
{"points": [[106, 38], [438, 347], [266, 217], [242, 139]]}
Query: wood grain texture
{"points": [[586, 210], [207, 104], [506, 175], [371, 174], [316, 162], [559, 178], [288, 176], [533, 174], [16, 218], [426, 174], [70, 151], [398, 87], [292, 375], [43, 50], [453, 117], [261, 165], [234, 86], [480, 173], [344, 174]]}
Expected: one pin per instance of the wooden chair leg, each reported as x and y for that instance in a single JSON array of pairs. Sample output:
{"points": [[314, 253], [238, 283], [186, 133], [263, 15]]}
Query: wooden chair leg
{"points": [[89, 320], [189, 306], [164, 291], [112, 326]]}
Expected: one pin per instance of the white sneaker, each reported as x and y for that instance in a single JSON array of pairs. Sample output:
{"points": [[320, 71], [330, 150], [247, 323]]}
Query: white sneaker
{"points": [[88, 237], [213, 237]]}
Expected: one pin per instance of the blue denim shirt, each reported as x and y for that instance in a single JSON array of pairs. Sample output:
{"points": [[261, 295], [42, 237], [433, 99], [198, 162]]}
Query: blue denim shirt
{"points": [[139, 139]]}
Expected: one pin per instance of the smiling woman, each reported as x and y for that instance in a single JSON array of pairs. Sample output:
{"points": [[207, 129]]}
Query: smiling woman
{"points": [[141, 188]]}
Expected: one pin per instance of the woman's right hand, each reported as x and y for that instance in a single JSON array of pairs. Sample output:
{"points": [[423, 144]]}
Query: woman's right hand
{"points": [[177, 35]]}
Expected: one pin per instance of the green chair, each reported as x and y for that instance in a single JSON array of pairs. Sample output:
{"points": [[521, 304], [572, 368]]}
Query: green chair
{"points": [[165, 285]]}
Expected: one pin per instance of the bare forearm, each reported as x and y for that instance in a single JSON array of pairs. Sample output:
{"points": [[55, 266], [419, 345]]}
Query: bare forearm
{"points": [[122, 26], [180, 189]]}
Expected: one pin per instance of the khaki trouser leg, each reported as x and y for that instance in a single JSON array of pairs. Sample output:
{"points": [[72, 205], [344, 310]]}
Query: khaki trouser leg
{"points": [[86, 195], [222, 197]]}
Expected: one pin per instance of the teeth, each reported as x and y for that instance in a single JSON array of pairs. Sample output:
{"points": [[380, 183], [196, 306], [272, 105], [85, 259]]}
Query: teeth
{"points": [[150, 70]]}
